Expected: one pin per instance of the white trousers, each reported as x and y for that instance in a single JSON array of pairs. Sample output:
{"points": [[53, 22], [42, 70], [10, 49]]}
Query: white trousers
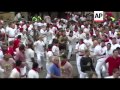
{"points": [[70, 50], [40, 59], [79, 67], [100, 65]]}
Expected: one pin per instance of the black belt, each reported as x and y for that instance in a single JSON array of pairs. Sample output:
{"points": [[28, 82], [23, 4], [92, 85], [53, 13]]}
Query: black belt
{"points": [[81, 55]]}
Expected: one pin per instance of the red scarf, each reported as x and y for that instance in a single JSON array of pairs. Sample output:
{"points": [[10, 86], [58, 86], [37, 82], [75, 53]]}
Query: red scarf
{"points": [[75, 30], [106, 40], [35, 69], [18, 69], [111, 38], [63, 62], [91, 33], [49, 50]]}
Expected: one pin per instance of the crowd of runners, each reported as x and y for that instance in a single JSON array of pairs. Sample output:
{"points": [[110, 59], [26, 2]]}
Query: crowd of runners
{"points": [[26, 45]]}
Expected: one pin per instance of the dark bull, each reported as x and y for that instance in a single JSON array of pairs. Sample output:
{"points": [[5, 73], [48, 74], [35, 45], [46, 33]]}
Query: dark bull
{"points": [[98, 15]]}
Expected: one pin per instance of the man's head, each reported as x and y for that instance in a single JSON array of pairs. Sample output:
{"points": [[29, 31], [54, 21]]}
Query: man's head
{"points": [[81, 41], [95, 43], [102, 43], [30, 45], [115, 53], [114, 40], [118, 48], [63, 57], [55, 59], [87, 52], [11, 43], [56, 42], [22, 48], [49, 46], [19, 37], [108, 46], [12, 25], [116, 73], [35, 65]]}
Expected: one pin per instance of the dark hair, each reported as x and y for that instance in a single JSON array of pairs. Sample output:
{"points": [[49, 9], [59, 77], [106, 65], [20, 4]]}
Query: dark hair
{"points": [[81, 40], [19, 36], [71, 31], [64, 56], [55, 41], [21, 47], [50, 46], [18, 63], [29, 45], [115, 50], [118, 48], [11, 43], [35, 65], [109, 44]]}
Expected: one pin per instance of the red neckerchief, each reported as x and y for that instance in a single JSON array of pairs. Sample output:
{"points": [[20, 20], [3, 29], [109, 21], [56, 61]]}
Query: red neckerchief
{"points": [[82, 43], [34, 69], [18, 69], [91, 33], [63, 62], [110, 38], [49, 50], [75, 30], [67, 30], [106, 40]]}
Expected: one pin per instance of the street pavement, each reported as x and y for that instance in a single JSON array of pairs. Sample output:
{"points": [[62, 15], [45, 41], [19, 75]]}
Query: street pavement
{"points": [[72, 61]]}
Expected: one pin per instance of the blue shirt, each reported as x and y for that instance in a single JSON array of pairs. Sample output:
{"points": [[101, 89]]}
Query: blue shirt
{"points": [[55, 70]]}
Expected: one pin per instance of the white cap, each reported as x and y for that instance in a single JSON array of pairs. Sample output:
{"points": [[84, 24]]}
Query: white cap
{"points": [[82, 26], [20, 22]]}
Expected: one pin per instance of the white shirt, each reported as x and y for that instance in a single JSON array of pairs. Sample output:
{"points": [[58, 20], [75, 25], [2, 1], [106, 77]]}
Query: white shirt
{"points": [[33, 74], [1, 55], [29, 54], [86, 30], [82, 47], [113, 47], [39, 47], [48, 55], [55, 50], [11, 32], [88, 42], [43, 32], [2, 30], [71, 40], [81, 36], [67, 33], [14, 73], [98, 52], [109, 52]]}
